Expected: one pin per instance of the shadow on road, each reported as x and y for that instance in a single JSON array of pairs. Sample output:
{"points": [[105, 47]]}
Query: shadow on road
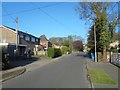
{"points": [[21, 62]]}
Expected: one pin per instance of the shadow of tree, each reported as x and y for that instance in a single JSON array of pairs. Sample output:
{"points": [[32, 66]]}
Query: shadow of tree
{"points": [[21, 62]]}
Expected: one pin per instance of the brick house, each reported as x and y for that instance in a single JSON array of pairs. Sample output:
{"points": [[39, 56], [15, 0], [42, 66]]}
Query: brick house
{"points": [[45, 42], [8, 39]]}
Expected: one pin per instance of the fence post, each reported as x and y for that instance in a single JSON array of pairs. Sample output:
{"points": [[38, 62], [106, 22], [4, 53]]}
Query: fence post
{"points": [[111, 57], [118, 59]]}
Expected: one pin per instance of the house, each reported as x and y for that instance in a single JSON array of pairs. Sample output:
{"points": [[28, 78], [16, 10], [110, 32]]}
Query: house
{"points": [[114, 44], [55, 46], [45, 42], [21, 41]]}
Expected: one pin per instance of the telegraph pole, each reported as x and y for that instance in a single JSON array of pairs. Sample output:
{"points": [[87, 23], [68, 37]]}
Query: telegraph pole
{"points": [[95, 43], [16, 34]]}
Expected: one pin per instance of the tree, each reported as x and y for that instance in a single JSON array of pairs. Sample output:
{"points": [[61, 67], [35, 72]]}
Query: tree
{"points": [[70, 39], [78, 45], [57, 40], [90, 39], [97, 11], [64, 49], [66, 43], [115, 36], [75, 38]]}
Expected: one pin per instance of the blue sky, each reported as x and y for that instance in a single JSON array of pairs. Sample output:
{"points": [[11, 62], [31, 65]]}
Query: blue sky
{"points": [[58, 20], [53, 19]]}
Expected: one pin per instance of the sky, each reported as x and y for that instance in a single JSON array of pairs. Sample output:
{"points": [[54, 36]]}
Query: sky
{"points": [[54, 19]]}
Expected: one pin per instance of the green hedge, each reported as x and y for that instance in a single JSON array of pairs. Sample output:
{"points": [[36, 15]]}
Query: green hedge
{"points": [[99, 56], [54, 52], [114, 50], [64, 49]]}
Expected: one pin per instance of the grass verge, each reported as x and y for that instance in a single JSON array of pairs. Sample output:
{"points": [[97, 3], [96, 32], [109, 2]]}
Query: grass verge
{"points": [[99, 76]]}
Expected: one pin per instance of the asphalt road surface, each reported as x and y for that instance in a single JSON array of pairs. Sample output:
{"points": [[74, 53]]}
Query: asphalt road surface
{"points": [[67, 72]]}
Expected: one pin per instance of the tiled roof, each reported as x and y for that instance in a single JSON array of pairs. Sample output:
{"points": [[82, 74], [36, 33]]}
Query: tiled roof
{"points": [[18, 31]]}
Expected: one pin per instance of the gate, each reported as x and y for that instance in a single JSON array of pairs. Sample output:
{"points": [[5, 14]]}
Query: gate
{"points": [[115, 59]]}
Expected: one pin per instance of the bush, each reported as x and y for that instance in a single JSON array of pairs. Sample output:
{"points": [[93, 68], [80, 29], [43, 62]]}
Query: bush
{"points": [[99, 56], [69, 51], [114, 50], [64, 49], [50, 52], [57, 52], [54, 52], [5, 59]]}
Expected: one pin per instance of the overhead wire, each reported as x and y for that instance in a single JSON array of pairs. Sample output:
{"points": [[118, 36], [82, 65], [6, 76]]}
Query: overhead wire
{"points": [[9, 15], [54, 19], [28, 10], [111, 10], [40, 8]]}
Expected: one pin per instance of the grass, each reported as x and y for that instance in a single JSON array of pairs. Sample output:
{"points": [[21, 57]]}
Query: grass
{"points": [[99, 76]]}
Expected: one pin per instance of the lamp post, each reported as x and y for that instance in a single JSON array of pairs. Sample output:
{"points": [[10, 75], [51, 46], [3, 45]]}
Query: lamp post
{"points": [[95, 43], [16, 33], [94, 39]]}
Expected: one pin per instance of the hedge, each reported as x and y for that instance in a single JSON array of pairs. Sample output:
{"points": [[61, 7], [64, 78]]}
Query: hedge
{"points": [[99, 56], [114, 50], [64, 49], [54, 52]]}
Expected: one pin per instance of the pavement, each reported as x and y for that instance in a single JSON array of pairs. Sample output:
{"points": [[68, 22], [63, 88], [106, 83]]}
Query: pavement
{"points": [[109, 68]]}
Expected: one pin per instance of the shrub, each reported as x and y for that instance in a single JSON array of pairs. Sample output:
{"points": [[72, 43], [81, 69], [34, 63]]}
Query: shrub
{"points": [[64, 49], [54, 52], [99, 56], [5, 59], [69, 51], [114, 50], [57, 52], [50, 52]]}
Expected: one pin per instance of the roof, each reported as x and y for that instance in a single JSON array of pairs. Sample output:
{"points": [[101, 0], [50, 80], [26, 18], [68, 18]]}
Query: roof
{"points": [[4, 26], [43, 38]]}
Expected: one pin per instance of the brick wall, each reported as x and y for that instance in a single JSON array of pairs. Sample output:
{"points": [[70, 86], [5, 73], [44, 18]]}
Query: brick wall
{"points": [[7, 36], [30, 44]]}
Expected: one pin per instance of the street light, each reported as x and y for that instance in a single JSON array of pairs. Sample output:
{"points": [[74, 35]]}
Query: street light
{"points": [[16, 34], [94, 40], [95, 43]]}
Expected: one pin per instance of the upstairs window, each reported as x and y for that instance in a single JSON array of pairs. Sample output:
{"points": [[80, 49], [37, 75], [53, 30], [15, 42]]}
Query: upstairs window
{"points": [[36, 40], [27, 38], [33, 39], [21, 36]]}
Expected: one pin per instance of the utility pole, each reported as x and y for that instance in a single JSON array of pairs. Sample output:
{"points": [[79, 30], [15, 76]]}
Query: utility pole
{"points": [[16, 34], [95, 43]]}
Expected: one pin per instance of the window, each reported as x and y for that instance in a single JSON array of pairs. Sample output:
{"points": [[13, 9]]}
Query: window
{"points": [[21, 36], [27, 38], [33, 39], [36, 40]]}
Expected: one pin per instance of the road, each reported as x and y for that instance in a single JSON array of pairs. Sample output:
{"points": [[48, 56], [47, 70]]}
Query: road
{"points": [[67, 72]]}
